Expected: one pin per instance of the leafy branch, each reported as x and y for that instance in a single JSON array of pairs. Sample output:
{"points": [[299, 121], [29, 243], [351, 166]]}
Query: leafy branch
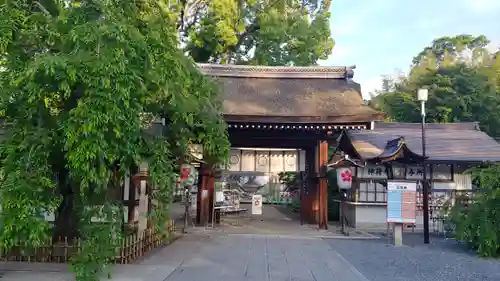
{"points": [[75, 91]]}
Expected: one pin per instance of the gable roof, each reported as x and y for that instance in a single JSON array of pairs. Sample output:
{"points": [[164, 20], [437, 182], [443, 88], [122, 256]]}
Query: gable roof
{"points": [[461, 142], [290, 94], [398, 149]]}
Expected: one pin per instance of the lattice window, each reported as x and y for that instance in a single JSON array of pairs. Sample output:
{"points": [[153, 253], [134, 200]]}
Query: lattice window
{"points": [[372, 191]]}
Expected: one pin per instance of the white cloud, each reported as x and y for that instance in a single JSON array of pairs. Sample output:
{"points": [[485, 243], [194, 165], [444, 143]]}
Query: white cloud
{"points": [[388, 35], [342, 54], [483, 6], [494, 46], [352, 18], [429, 23], [340, 51], [370, 85], [347, 27]]}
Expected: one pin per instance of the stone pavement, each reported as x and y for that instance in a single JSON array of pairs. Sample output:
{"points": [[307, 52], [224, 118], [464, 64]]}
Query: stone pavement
{"points": [[441, 260], [224, 257], [258, 257], [125, 273], [14, 271], [276, 220], [282, 229]]}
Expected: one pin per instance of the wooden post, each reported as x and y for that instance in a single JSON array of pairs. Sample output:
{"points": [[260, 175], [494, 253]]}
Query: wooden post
{"points": [[130, 197], [199, 201], [308, 199], [322, 159], [203, 204], [210, 187]]}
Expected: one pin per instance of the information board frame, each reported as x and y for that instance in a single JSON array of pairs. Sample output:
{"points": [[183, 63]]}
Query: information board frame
{"points": [[401, 202]]}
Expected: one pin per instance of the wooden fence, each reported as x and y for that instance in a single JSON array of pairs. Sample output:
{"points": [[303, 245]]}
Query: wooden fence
{"points": [[133, 247]]}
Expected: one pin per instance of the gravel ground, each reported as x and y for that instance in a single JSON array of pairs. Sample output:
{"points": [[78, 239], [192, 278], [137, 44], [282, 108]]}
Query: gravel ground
{"points": [[442, 260]]}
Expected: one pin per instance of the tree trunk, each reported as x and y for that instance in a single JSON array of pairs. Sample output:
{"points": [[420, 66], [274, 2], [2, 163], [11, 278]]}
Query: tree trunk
{"points": [[66, 223]]}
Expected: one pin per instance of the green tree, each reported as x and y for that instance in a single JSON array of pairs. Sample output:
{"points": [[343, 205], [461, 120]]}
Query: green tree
{"points": [[456, 94], [460, 90], [81, 84], [398, 106], [260, 32], [460, 48]]}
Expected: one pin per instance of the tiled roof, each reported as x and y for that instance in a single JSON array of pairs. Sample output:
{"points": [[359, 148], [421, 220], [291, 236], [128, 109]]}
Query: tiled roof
{"points": [[258, 93], [444, 142]]}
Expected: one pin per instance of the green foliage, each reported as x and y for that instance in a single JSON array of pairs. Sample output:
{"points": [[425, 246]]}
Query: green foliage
{"points": [[82, 83], [399, 106], [460, 89], [288, 178], [478, 223], [334, 195], [259, 32], [452, 48]]}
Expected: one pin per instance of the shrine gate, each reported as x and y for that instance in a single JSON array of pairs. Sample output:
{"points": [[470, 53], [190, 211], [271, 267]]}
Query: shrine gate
{"points": [[303, 108]]}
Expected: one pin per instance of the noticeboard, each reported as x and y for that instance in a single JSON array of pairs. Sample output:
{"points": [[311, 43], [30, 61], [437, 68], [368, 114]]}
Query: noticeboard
{"points": [[401, 201]]}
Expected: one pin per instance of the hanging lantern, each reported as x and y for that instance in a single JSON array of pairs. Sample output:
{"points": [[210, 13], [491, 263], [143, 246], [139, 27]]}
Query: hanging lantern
{"points": [[344, 178], [188, 175]]}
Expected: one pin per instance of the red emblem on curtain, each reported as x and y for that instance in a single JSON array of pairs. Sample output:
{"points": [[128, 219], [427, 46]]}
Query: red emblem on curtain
{"points": [[185, 172]]}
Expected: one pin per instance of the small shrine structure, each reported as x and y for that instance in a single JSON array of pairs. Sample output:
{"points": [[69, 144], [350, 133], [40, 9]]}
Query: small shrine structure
{"points": [[393, 151]]}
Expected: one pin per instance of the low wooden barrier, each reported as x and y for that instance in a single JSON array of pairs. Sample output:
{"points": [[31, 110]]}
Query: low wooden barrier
{"points": [[133, 247]]}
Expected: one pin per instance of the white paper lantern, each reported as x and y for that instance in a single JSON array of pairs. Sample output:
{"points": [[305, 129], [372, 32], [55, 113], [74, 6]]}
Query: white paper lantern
{"points": [[344, 178]]}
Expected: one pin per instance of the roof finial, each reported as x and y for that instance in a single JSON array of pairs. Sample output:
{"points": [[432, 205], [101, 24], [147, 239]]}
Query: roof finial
{"points": [[349, 72]]}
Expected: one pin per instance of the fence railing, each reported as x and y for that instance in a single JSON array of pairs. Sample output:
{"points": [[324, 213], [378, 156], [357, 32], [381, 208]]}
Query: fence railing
{"points": [[133, 246], [440, 203]]}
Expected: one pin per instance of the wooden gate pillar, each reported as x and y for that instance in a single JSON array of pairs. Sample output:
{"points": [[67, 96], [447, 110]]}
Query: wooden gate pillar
{"points": [[322, 184], [211, 194], [309, 206], [203, 196]]}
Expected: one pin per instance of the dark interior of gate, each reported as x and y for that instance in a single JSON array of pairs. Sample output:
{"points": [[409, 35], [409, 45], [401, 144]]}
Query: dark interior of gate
{"points": [[281, 123]]}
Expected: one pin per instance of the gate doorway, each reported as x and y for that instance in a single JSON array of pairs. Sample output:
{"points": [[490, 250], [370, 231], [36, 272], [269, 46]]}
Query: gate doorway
{"points": [[263, 185]]}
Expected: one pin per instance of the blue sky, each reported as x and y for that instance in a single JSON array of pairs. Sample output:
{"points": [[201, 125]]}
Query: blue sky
{"points": [[382, 36]]}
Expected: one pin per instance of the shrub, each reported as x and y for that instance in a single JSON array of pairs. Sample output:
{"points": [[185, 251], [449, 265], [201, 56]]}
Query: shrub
{"points": [[478, 223]]}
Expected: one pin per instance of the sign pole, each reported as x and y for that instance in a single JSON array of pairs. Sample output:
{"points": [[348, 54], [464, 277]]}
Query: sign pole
{"points": [[342, 211], [397, 234], [344, 181], [187, 204]]}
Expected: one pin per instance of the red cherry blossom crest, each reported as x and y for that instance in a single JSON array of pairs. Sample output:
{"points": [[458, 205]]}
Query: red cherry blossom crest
{"points": [[185, 173], [346, 176]]}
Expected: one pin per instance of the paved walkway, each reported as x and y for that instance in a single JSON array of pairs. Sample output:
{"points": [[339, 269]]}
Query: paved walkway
{"points": [[257, 257], [275, 220], [226, 257], [269, 257], [441, 260]]}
